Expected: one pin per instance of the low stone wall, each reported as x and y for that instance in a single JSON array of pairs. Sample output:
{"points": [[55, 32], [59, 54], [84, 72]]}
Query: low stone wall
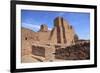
{"points": [[74, 52], [39, 51]]}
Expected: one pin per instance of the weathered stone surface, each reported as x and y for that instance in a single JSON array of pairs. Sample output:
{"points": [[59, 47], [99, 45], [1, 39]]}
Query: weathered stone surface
{"points": [[32, 58], [79, 51], [62, 32], [43, 28], [60, 43]]}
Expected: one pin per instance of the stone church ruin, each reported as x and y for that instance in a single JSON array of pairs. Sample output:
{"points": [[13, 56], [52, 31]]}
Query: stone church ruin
{"points": [[60, 43]]}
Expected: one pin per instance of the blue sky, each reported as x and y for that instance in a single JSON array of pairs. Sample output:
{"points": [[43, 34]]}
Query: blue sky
{"points": [[32, 19]]}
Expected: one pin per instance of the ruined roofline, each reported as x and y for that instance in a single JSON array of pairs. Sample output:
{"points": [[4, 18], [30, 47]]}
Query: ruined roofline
{"points": [[43, 28]]}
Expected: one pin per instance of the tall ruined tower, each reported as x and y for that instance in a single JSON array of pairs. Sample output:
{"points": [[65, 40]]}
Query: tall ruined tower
{"points": [[62, 33]]}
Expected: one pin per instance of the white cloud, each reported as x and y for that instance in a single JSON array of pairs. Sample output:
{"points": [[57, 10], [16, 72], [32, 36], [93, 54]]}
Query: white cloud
{"points": [[49, 28], [32, 26]]}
